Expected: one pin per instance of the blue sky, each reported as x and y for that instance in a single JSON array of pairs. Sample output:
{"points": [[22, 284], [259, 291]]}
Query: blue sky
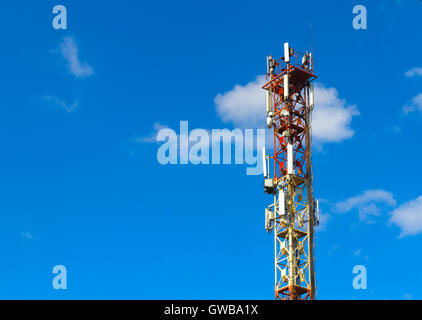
{"points": [[81, 185]]}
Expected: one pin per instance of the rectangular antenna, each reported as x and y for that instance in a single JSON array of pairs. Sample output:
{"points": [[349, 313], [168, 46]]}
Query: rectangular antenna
{"points": [[311, 96], [264, 163], [286, 52], [269, 102], [290, 169], [281, 203]]}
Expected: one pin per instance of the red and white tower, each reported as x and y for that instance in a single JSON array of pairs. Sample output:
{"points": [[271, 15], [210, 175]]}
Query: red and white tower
{"points": [[294, 213]]}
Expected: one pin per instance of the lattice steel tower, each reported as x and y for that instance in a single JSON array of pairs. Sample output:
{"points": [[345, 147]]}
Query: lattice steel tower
{"points": [[294, 213]]}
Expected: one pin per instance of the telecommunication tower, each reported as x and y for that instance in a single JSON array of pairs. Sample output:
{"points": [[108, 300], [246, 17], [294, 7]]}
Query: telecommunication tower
{"points": [[294, 213]]}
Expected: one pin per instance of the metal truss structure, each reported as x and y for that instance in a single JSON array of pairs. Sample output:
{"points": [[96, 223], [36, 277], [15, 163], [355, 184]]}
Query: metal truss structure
{"points": [[293, 215]]}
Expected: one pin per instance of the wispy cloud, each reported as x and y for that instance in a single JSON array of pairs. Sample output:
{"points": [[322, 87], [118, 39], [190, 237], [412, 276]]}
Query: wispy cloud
{"points": [[151, 138], [414, 72], [323, 221], [26, 235], [333, 249], [69, 51], [357, 252], [369, 203], [244, 106], [324, 217], [408, 217], [59, 103], [414, 105]]}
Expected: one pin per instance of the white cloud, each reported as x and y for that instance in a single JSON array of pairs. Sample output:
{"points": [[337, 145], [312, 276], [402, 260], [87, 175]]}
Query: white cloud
{"points": [[415, 105], [26, 235], [69, 51], [369, 203], [414, 72], [408, 217], [60, 103], [151, 138], [244, 106], [332, 116]]}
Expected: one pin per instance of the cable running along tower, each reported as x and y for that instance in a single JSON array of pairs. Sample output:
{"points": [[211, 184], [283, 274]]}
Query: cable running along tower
{"points": [[294, 213]]}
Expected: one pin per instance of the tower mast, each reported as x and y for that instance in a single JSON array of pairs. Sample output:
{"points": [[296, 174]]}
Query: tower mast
{"points": [[293, 214]]}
